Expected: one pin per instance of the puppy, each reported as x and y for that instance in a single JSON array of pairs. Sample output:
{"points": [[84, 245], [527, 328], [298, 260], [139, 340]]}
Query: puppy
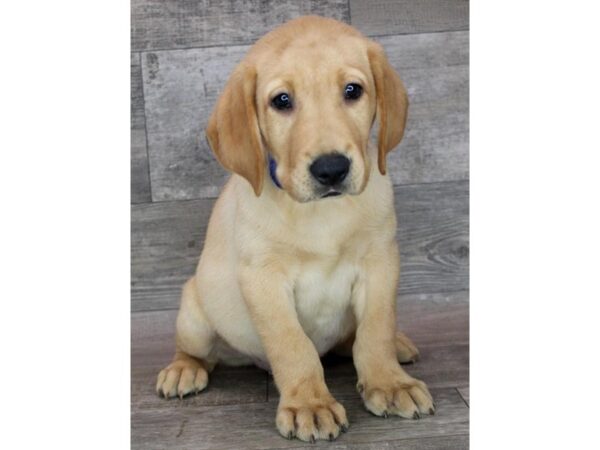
{"points": [[300, 255]]}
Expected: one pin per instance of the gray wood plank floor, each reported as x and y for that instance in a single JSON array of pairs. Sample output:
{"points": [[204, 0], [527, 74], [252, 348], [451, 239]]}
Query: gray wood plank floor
{"points": [[182, 54], [238, 408]]}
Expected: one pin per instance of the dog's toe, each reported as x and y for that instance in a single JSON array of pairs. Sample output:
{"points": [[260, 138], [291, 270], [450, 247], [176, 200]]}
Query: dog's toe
{"points": [[408, 398], [311, 423], [181, 378]]}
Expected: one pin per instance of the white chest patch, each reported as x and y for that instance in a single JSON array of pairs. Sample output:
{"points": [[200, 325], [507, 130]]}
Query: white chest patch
{"points": [[323, 303]]}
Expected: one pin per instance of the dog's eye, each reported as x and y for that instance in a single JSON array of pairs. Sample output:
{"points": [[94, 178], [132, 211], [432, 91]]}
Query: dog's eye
{"points": [[352, 91], [282, 102]]}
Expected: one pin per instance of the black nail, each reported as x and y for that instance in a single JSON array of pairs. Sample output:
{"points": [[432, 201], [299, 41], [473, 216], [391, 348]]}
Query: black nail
{"points": [[385, 415], [331, 436], [431, 411], [312, 439], [416, 415], [290, 435], [344, 428]]}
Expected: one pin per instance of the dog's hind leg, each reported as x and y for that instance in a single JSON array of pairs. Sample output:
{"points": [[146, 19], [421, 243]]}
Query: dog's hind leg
{"points": [[406, 351], [195, 339]]}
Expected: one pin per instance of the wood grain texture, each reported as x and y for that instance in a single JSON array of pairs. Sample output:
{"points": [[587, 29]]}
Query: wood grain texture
{"points": [[172, 24], [253, 425], [380, 17], [433, 234], [152, 348], [437, 443], [166, 241], [227, 386], [420, 316], [459, 442], [181, 88], [435, 70], [138, 120], [140, 179], [167, 238], [234, 411]]}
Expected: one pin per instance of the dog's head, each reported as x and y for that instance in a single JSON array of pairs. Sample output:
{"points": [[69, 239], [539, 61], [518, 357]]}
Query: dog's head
{"points": [[306, 95]]}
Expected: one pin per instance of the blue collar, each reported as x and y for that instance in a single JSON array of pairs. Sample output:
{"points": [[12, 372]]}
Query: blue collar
{"points": [[272, 169]]}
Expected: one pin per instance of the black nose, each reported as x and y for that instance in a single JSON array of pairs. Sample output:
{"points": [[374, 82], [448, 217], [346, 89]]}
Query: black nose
{"points": [[330, 169]]}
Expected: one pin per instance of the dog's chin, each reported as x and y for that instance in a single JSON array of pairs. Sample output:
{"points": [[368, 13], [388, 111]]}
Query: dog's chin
{"points": [[317, 195], [331, 194], [315, 192]]}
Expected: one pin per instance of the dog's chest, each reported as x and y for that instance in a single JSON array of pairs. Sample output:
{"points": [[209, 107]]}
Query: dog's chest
{"points": [[323, 302]]}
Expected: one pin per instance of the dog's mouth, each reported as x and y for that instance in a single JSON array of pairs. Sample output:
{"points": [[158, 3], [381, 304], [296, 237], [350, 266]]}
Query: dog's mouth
{"points": [[331, 194]]}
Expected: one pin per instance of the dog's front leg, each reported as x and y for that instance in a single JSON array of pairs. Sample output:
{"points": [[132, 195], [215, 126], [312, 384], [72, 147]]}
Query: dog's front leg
{"points": [[306, 408], [383, 384]]}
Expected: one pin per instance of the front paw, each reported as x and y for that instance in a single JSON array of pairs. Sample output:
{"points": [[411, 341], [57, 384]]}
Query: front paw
{"points": [[310, 415], [396, 393], [180, 378]]}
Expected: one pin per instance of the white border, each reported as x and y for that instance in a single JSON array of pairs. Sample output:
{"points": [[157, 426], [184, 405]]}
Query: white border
{"points": [[64, 159], [534, 221]]}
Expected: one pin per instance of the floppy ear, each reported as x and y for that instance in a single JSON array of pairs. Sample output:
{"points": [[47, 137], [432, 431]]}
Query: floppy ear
{"points": [[233, 132], [392, 103]]}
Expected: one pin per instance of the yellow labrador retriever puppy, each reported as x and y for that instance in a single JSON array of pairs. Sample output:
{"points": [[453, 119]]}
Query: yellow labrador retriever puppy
{"points": [[301, 255]]}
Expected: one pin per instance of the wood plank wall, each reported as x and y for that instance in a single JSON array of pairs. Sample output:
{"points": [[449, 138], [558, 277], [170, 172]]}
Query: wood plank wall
{"points": [[182, 54]]}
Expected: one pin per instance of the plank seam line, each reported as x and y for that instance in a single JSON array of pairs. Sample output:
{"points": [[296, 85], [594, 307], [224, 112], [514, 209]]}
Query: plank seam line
{"points": [[460, 180], [145, 127], [462, 398], [247, 43]]}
